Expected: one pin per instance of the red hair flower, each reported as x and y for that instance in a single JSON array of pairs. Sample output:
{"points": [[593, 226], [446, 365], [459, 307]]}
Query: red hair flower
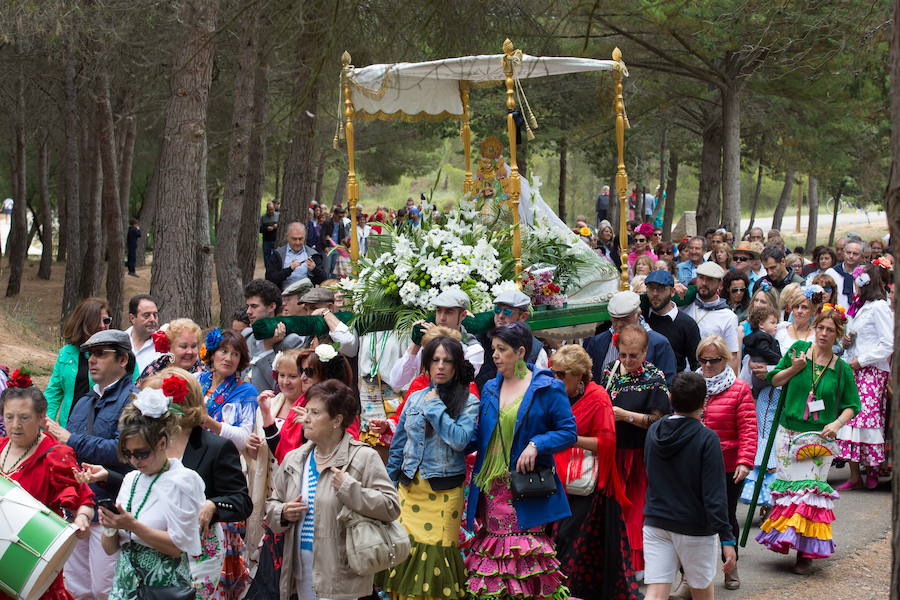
{"points": [[615, 340], [161, 341], [175, 388], [19, 378]]}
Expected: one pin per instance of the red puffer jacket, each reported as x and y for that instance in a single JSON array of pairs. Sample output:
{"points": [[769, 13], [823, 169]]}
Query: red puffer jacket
{"points": [[732, 415]]}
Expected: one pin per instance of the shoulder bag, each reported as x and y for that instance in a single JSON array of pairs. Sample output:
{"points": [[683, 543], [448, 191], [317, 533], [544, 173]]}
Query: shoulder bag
{"points": [[540, 483], [372, 545]]}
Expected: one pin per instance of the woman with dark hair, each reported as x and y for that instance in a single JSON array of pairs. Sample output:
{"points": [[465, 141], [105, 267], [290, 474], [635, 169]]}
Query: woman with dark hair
{"points": [[155, 524], [40, 464], [824, 259], [70, 380], [525, 419], [607, 245], [664, 251], [428, 462], [870, 345], [736, 291], [314, 482]]}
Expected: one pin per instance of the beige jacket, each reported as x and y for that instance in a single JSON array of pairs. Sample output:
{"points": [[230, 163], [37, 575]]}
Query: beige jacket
{"points": [[367, 490]]}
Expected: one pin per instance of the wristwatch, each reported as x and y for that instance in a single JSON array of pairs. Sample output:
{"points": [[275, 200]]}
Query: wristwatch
{"points": [[533, 445]]}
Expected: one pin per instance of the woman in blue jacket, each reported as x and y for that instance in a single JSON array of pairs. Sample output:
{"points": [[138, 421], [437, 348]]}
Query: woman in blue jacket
{"points": [[525, 419], [427, 460]]}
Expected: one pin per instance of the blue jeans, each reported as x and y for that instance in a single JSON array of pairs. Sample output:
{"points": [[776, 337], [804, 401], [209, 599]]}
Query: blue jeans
{"points": [[268, 249]]}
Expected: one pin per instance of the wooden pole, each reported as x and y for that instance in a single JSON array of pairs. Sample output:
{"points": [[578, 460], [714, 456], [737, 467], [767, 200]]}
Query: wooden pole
{"points": [[352, 185], [799, 203], [621, 175], [466, 134], [510, 54]]}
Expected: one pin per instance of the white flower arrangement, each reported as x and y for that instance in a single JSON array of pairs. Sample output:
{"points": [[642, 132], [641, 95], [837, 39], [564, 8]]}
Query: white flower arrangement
{"points": [[152, 402]]}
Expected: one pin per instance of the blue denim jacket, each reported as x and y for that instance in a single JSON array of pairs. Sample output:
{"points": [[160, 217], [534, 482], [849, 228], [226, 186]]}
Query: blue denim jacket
{"points": [[435, 454]]}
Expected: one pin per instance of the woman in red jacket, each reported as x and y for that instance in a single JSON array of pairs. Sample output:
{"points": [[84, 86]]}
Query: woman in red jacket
{"points": [[729, 410]]}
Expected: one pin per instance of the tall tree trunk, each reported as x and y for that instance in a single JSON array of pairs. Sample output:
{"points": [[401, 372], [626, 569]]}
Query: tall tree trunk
{"points": [[72, 279], [126, 157], [147, 216], [671, 189], [46, 210], [91, 226], [754, 203], [106, 140], [203, 261], [341, 188], [813, 228], [228, 269], [182, 221], [783, 200], [731, 157], [17, 243], [321, 162], [563, 149], [708, 202], [61, 209], [256, 174], [892, 202], [834, 216]]}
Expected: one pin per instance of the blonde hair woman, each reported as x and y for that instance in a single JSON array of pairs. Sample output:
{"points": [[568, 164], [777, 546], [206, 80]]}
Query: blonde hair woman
{"points": [[179, 344]]}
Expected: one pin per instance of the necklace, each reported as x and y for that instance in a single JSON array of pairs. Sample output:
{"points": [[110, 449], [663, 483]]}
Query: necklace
{"points": [[147, 495], [326, 458], [13, 469]]}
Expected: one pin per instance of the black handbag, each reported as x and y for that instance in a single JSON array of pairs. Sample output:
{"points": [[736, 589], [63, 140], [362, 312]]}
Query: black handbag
{"points": [[158, 592], [540, 483]]}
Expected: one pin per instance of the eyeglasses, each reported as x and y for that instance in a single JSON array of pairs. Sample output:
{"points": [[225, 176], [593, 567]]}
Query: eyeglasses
{"points": [[506, 312], [308, 371], [828, 288], [137, 454], [666, 252], [97, 352], [657, 234], [640, 240], [740, 258], [736, 290], [559, 374], [106, 320], [711, 361]]}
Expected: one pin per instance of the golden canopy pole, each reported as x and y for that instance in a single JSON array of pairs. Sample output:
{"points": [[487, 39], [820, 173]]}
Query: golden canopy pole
{"points": [[510, 55], [621, 175], [466, 133], [352, 186]]}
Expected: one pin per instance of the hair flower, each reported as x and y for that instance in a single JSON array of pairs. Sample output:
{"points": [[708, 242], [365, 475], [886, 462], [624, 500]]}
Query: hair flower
{"points": [[862, 280], [161, 342], [765, 285], [325, 352], [152, 402], [836, 308], [20, 378], [858, 271], [813, 293], [175, 388], [584, 232], [884, 263], [213, 339]]}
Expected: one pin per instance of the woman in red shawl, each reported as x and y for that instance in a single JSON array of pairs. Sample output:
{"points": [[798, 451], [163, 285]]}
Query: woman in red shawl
{"points": [[41, 465], [592, 544]]}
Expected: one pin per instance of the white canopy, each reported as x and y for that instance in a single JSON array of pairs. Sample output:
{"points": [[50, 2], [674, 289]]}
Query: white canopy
{"points": [[431, 89]]}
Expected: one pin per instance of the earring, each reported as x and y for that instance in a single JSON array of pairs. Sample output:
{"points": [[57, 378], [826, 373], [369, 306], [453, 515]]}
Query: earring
{"points": [[520, 369]]}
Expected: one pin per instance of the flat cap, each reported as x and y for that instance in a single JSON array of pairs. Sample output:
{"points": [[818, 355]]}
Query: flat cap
{"points": [[298, 288], [623, 304], [316, 295], [711, 269], [513, 298], [109, 337], [452, 298], [660, 277]]}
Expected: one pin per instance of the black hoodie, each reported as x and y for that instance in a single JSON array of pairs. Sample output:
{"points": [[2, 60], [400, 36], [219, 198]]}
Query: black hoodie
{"points": [[685, 475]]}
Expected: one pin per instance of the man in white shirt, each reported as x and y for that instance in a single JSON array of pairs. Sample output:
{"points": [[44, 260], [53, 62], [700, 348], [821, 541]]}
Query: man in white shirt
{"points": [[853, 256], [450, 308], [712, 313], [319, 302], [144, 317]]}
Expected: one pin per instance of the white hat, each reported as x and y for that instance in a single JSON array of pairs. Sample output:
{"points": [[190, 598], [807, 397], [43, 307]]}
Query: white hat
{"points": [[513, 298], [452, 299], [711, 269], [623, 304]]}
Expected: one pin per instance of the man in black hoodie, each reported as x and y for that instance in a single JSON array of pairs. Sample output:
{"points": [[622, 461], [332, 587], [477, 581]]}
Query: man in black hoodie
{"points": [[686, 514]]}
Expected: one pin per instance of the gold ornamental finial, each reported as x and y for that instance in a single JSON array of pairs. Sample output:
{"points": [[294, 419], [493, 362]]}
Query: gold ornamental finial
{"points": [[616, 54], [508, 47], [345, 59]]}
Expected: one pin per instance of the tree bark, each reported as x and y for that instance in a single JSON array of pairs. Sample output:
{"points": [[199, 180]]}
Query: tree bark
{"points": [[126, 157], [755, 202], [671, 189], [563, 148], [228, 269], [834, 216], [708, 201], [321, 163], [17, 243], [256, 174], [783, 200], [147, 216], [892, 202], [112, 219], [813, 228], [72, 279], [731, 157], [91, 224], [61, 209], [341, 188], [179, 281], [46, 210]]}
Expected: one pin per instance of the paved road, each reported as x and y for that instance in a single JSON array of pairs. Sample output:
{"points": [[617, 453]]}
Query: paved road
{"points": [[844, 219]]}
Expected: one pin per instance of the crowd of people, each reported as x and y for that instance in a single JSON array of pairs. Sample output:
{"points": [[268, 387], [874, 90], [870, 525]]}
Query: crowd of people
{"points": [[238, 463]]}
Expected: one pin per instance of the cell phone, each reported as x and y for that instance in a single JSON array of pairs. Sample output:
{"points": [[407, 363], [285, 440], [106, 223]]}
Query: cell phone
{"points": [[109, 505]]}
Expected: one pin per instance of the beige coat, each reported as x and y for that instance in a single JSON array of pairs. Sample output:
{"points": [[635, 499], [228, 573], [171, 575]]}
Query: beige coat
{"points": [[367, 490]]}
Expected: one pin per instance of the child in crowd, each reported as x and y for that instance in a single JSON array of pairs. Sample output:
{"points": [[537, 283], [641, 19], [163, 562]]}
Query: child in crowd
{"points": [[686, 514], [760, 346]]}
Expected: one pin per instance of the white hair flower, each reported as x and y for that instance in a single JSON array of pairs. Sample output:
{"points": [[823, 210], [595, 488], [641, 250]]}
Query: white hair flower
{"points": [[152, 402], [325, 352]]}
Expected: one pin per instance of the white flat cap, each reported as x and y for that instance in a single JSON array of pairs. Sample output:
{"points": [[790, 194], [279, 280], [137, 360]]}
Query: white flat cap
{"points": [[711, 269], [623, 304], [452, 299], [513, 298]]}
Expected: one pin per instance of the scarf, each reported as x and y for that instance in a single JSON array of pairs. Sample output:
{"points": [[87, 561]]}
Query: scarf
{"points": [[718, 383], [855, 304], [717, 304]]}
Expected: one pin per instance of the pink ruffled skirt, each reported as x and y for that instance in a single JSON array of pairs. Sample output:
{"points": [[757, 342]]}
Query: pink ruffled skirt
{"points": [[507, 562]]}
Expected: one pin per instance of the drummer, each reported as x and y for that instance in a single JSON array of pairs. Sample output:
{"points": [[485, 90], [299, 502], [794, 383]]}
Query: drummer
{"points": [[40, 464]]}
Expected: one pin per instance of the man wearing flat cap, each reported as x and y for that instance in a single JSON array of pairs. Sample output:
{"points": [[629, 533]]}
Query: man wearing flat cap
{"points": [[319, 302], [290, 298], [509, 307], [450, 307], [711, 312], [93, 432], [625, 309], [664, 318]]}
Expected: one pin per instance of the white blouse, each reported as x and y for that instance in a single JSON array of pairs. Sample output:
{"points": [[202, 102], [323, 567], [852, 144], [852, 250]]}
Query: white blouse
{"points": [[874, 329], [173, 504], [786, 339]]}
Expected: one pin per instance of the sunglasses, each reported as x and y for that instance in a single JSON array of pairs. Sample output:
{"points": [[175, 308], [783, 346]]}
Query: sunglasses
{"points": [[711, 361], [828, 288], [640, 240], [666, 252], [97, 352], [308, 371], [740, 258], [736, 290], [657, 234], [137, 454], [506, 312], [559, 374], [106, 320]]}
